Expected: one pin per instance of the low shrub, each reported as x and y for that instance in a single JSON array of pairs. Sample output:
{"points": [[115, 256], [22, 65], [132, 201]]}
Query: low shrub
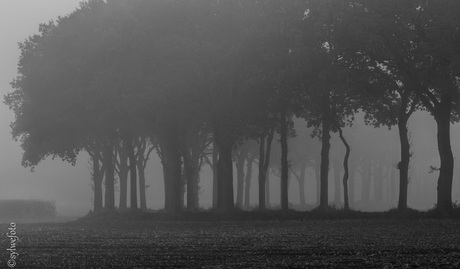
{"points": [[27, 210]]}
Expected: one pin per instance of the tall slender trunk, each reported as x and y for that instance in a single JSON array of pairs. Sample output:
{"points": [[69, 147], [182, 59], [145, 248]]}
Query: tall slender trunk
{"points": [[267, 189], [183, 185], [109, 177], [262, 176], [378, 181], [225, 199], [123, 171], [446, 171], [128, 142], [98, 175], [367, 174], [318, 179], [403, 165], [215, 155], [247, 181], [143, 200], [240, 180], [166, 180], [345, 167], [284, 162], [191, 172], [173, 167], [392, 185], [301, 179], [225, 178], [337, 172], [351, 184], [325, 146]]}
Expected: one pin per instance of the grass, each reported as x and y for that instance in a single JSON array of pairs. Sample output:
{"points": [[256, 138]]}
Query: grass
{"points": [[337, 243]]}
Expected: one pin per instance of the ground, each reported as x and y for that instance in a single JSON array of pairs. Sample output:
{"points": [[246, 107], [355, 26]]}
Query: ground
{"points": [[339, 243]]}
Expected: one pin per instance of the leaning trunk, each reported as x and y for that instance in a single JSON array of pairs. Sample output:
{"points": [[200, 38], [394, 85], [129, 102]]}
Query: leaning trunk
{"points": [[345, 167]]}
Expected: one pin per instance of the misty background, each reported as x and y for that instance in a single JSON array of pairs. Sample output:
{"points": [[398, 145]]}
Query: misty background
{"points": [[70, 186]]}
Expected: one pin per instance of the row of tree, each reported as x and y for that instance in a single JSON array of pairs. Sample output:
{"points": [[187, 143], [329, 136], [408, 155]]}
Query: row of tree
{"points": [[197, 78]]}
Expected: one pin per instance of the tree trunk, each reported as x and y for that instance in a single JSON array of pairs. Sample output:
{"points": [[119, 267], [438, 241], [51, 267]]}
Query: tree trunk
{"points": [[403, 165], [166, 180], [191, 174], [446, 171], [392, 185], [318, 179], [215, 155], [378, 182], [284, 162], [351, 185], [225, 199], [367, 174], [225, 178], [183, 184], [345, 167], [173, 169], [247, 186], [262, 176], [109, 177], [301, 179], [128, 142], [325, 146], [123, 171], [267, 189], [240, 179], [143, 200], [98, 175], [337, 172]]}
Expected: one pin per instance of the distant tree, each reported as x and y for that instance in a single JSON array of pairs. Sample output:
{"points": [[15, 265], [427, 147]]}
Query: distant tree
{"points": [[330, 98]]}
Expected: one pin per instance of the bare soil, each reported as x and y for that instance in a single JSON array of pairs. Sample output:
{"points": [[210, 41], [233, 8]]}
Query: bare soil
{"points": [[357, 243]]}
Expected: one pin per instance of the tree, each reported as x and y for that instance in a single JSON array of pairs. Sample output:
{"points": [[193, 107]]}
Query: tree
{"points": [[421, 42], [58, 69]]}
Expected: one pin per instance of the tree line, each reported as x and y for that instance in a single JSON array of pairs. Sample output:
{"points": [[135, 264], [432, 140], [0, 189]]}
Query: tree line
{"points": [[195, 80]]}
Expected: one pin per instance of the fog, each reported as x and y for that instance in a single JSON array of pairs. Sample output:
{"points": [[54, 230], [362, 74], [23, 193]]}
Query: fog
{"points": [[70, 186]]}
